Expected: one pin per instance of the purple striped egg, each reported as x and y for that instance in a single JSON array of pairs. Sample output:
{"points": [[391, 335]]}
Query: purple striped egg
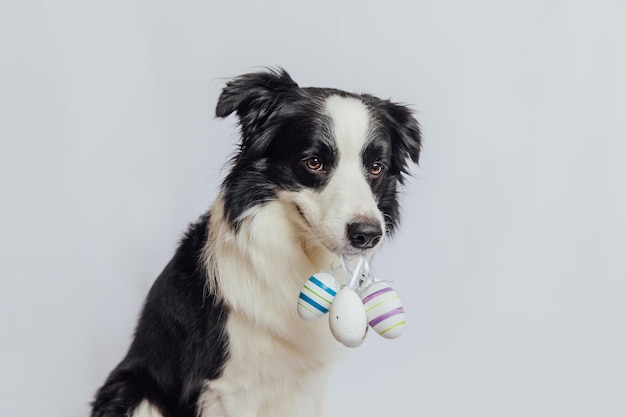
{"points": [[384, 310], [317, 295]]}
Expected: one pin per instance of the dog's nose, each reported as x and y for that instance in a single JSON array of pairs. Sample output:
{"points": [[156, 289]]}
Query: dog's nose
{"points": [[364, 234]]}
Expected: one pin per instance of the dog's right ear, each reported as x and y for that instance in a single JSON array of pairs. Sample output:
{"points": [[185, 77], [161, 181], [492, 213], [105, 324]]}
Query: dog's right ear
{"points": [[253, 92]]}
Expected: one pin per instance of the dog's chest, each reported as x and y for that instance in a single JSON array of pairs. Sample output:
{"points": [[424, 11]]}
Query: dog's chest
{"points": [[268, 375], [277, 363]]}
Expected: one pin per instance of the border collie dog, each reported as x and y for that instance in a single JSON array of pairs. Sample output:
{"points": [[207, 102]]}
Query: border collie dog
{"points": [[316, 175]]}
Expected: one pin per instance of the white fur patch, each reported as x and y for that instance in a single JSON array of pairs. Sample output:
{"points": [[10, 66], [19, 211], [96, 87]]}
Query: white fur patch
{"points": [[145, 409], [351, 125]]}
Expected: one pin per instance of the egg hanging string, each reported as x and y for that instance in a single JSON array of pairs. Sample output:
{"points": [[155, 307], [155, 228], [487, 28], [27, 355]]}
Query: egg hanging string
{"points": [[361, 270], [348, 271]]}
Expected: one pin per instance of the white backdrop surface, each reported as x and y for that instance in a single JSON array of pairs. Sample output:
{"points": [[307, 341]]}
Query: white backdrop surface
{"points": [[511, 259]]}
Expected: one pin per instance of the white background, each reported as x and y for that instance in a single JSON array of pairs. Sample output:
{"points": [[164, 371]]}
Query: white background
{"points": [[511, 257]]}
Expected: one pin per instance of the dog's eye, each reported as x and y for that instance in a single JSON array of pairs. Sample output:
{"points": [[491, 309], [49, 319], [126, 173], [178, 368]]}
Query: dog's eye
{"points": [[376, 169], [314, 164]]}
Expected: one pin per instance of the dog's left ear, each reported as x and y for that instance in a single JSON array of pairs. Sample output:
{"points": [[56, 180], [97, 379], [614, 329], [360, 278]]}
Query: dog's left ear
{"points": [[404, 132], [255, 97], [252, 91]]}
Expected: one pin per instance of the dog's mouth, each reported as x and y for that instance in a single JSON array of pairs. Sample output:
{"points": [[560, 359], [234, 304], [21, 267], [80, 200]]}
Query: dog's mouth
{"points": [[351, 251], [301, 213], [345, 248]]}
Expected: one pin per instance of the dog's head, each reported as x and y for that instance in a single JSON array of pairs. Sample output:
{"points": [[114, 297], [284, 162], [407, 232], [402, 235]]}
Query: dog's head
{"points": [[335, 159]]}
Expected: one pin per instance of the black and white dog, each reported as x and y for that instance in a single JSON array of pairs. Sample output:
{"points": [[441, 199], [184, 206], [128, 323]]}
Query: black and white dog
{"points": [[317, 174]]}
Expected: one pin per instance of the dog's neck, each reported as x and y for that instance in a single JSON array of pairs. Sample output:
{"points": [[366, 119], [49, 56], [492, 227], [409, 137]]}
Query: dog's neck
{"points": [[269, 252]]}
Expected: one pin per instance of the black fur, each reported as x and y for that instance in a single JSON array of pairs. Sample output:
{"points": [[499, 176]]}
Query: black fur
{"points": [[181, 341]]}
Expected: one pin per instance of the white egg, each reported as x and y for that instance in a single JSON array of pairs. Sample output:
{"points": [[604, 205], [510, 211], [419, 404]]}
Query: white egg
{"points": [[317, 295], [385, 313], [347, 318]]}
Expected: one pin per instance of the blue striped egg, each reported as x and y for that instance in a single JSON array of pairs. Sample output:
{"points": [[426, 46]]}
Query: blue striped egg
{"points": [[384, 310], [317, 295]]}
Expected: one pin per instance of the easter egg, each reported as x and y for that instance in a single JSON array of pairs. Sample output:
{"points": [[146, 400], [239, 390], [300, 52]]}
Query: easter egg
{"points": [[317, 295], [347, 318], [384, 310]]}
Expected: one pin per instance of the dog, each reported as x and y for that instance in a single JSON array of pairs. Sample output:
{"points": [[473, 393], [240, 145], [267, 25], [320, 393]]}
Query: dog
{"points": [[317, 174]]}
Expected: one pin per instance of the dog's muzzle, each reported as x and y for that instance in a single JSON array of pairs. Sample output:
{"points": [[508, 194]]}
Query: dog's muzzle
{"points": [[364, 233]]}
